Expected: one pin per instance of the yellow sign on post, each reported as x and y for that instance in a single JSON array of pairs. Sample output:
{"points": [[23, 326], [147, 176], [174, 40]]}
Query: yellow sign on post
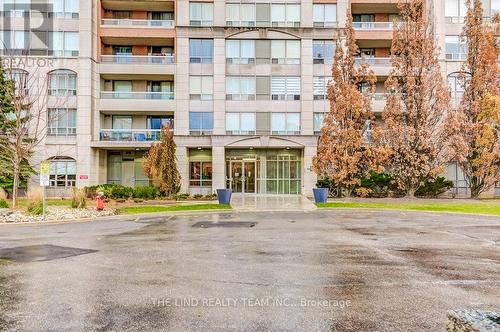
{"points": [[44, 174]]}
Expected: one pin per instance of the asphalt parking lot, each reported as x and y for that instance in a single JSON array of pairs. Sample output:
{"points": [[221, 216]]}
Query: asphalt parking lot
{"points": [[342, 270]]}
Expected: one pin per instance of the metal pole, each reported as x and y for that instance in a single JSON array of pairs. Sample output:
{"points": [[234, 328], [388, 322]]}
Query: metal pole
{"points": [[43, 203]]}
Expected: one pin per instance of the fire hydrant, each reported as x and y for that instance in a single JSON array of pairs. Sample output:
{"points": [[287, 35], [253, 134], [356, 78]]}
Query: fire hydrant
{"points": [[100, 201]]}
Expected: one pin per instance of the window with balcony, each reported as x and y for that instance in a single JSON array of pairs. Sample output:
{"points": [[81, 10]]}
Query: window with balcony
{"points": [[285, 88], [201, 50], [62, 172], [325, 15], [160, 89], [160, 16], [285, 123], [61, 121], [457, 83], [240, 87], [456, 48], [364, 18], [201, 87], [64, 43], [62, 83], [160, 121], [323, 51], [201, 123], [318, 119], [65, 8], [201, 13], [320, 87], [240, 123]]}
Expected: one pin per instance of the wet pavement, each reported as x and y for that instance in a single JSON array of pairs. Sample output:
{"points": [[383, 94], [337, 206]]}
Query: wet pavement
{"points": [[253, 202], [342, 270]]}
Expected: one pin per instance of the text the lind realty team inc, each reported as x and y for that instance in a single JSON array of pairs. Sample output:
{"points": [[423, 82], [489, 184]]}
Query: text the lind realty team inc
{"points": [[249, 302]]}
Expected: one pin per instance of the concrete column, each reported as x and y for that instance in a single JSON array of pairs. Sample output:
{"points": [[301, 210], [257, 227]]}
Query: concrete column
{"points": [[310, 177], [181, 83], [219, 13], [183, 166], [342, 6], [219, 86], [306, 10], [306, 97], [218, 168]]}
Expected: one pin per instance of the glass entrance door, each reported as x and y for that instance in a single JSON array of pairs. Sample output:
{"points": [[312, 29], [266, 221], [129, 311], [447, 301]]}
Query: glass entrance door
{"points": [[242, 176]]}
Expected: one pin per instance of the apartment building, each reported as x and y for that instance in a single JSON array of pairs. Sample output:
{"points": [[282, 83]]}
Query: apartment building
{"points": [[242, 83]]}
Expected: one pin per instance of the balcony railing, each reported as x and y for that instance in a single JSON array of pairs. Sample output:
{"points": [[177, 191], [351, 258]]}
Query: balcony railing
{"points": [[138, 23], [381, 62], [130, 135], [373, 25], [138, 59], [380, 96], [137, 95]]}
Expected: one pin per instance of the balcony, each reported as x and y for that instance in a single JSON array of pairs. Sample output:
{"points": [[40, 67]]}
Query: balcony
{"points": [[131, 23], [379, 100], [130, 135], [131, 101], [374, 30], [380, 66], [129, 64]]}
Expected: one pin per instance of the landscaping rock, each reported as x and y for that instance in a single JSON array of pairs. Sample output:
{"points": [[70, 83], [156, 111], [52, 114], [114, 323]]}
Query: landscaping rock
{"points": [[5, 212], [473, 321], [56, 213]]}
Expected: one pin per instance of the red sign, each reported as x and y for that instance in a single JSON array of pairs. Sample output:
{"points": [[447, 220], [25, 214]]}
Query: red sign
{"points": [[84, 177]]}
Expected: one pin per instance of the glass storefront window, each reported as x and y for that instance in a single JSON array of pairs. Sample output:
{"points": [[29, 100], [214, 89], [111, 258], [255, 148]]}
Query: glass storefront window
{"points": [[200, 174]]}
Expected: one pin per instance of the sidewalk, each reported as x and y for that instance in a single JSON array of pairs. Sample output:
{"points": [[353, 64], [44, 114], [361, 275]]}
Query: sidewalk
{"points": [[252, 202]]}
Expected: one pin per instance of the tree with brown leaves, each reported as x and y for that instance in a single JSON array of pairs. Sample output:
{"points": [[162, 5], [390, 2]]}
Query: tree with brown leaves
{"points": [[160, 164], [343, 154], [417, 102], [476, 123]]}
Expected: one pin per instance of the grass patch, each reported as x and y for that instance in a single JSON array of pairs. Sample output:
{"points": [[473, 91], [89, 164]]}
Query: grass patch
{"points": [[50, 202], [490, 208], [170, 208]]}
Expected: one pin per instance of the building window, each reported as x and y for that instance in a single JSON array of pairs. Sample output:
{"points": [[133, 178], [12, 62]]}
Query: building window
{"points": [[240, 14], [285, 51], [62, 83], [455, 11], [158, 122], [65, 8], [201, 87], [62, 121], [200, 174], [240, 123], [323, 51], [240, 51], [201, 123], [285, 15], [456, 48], [201, 50], [318, 119], [62, 172], [20, 78], [457, 84], [64, 43], [324, 15], [201, 13], [240, 88], [285, 88], [285, 123], [363, 18], [320, 87]]}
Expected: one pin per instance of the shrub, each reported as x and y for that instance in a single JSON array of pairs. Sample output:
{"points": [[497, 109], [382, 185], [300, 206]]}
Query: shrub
{"points": [[210, 196], [363, 192], [138, 200], [379, 184], [113, 191], [181, 197], [3, 194], [197, 196], [434, 188], [324, 183], [120, 200], [78, 198], [146, 192], [3, 204], [35, 198]]}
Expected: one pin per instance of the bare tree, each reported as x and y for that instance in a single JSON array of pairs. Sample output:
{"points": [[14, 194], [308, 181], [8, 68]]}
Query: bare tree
{"points": [[23, 117], [417, 102]]}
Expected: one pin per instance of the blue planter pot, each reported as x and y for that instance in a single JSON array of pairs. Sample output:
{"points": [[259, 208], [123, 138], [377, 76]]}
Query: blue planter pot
{"points": [[320, 195], [224, 196]]}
